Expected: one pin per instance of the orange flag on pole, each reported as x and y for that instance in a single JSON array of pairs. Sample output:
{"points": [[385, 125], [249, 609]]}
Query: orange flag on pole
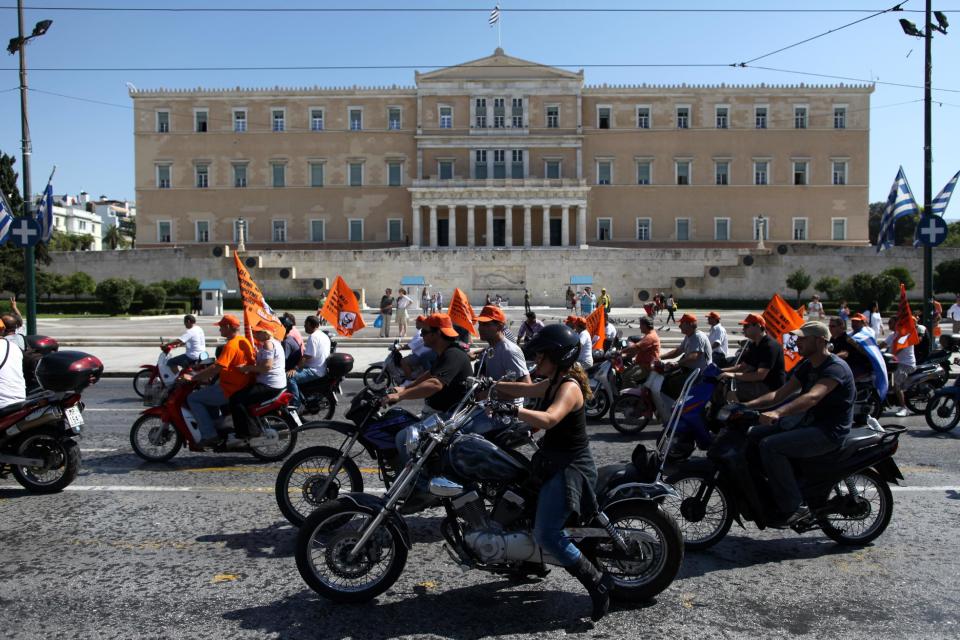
{"points": [[255, 308], [342, 310], [781, 319], [461, 313], [906, 328], [597, 322]]}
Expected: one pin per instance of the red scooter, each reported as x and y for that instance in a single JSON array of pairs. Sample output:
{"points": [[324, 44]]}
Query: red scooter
{"points": [[152, 378]]}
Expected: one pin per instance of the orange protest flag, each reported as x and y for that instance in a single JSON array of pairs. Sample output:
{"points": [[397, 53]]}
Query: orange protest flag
{"points": [[906, 327], [342, 310], [461, 313], [597, 322], [781, 319], [255, 308]]}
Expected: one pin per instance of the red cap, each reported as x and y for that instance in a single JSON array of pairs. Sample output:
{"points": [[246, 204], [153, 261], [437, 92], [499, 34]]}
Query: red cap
{"points": [[492, 313], [714, 315], [859, 317], [688, 317], [421, 318], [228, 320], [442, 322], [753, 318]]}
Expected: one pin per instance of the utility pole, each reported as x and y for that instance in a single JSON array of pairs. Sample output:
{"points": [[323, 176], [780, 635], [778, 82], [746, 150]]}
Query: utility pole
{"points": [[29, 253], [927, 167]]}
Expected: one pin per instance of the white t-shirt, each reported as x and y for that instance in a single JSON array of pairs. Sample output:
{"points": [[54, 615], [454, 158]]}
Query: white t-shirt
{"points": [[586, 350], [954, 312], [13, 389], [194, 342], [815, 309], [611, 331], [719, 334], [876, 322], [905, 356], [316, 348], [404, 302], [276, 377], [417, 346]]}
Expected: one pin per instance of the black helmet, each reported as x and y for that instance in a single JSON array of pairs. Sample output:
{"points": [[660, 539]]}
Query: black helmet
{"points": [[559, 343]]}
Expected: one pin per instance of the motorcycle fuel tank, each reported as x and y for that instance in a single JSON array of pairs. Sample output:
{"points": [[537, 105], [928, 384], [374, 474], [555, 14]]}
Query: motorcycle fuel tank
{"points": [[474, 458]]}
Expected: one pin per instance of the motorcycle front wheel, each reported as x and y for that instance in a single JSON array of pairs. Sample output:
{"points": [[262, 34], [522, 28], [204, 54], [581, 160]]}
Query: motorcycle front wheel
{"points": [[943, 413], [61, 458], [857, 519], [280, 448], [304, 482], [323, 553], [598, 405], [918, 398], [153, 439], [376, 378], [140, 381], [703, 523], [628, 416]]}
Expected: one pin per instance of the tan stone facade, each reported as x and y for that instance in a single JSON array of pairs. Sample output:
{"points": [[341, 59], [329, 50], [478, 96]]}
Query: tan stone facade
{"points": [[500, 152]]}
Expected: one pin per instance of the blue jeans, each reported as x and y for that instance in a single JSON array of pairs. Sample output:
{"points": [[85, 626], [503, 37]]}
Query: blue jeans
{"points": [[205, 405], [180, 361], [552, 514], [294, 382]]}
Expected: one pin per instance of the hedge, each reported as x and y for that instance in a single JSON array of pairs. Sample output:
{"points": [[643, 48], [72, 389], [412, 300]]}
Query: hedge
{"points": [[277, 304]]}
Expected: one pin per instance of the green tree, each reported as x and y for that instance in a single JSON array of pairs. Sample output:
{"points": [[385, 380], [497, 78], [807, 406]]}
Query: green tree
{"points": [[11, 257], [116, 294], [867, 288], [185, 288], [946, 277], [830, 287], [49, 283], [903, 228], [799, 281], [78, 284], [153, 297], [953, 235], [902, 274], [115, 239]]}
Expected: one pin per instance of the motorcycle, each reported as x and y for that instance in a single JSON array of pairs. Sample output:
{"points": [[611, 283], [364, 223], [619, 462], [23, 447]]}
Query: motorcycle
{"points": [[917, 390], [604, 378], [943, 410], [389, 372], [152, 378], [37, 348], [355, 547], [38, 435], [847, 490], [320, 396]]}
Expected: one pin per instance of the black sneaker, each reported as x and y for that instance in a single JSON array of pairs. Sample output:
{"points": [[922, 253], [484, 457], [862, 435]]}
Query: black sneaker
{"points": [[802, 512]]}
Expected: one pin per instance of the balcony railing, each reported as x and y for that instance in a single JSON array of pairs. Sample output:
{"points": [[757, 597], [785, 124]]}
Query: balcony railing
{"points": [[460, 183]]}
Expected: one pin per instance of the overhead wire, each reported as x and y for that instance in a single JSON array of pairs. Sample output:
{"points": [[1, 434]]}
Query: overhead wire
{"points": [[406, 9]]}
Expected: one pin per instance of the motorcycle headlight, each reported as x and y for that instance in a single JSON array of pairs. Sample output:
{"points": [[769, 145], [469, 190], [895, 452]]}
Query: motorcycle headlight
{"points": [[411, 439]]}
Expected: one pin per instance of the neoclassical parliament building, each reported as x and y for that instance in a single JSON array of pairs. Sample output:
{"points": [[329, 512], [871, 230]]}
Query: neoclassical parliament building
{"points": [[501, 152]]}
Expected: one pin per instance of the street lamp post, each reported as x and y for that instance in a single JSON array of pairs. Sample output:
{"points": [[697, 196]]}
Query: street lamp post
{"points": [[19, 44]]}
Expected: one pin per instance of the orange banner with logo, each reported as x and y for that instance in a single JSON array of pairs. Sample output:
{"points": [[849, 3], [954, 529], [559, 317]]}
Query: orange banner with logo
{"points": [[781, 319], [255, 308], [597, 322], [342, 310], [461, 313], [906, 328]]}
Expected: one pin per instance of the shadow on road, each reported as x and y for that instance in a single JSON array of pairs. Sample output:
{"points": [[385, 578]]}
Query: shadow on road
{"points": [[274, 541], [930, 433], [738, 552], [121, 463]]}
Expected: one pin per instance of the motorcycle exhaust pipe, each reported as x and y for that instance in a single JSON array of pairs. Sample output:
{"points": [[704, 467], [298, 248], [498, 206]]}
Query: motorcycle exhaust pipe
{"points": [[20, 462]]}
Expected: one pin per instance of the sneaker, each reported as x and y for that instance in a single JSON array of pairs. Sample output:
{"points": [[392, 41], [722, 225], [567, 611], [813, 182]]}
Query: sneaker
{"points": [[797, 515], [902, 412]]}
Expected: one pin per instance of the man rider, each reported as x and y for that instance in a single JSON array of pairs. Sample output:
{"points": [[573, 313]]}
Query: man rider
{"points": [[848, 349], [694, 353], [422, 357], [530, 328], [826, 398], [644, 353], [194, 341], [292, 342], [206, 403], [13, 388], [507, 358], [313, 364], [760, 369], [718, 339], [579, 325]]}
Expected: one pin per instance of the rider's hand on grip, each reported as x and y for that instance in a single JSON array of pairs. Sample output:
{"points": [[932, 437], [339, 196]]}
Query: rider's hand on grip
{"points": [[503, 409]]}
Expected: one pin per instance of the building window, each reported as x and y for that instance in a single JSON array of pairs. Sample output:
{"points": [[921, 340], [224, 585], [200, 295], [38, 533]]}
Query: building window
{"points": [[604, 229], [643, 229], [279, 118], [163, 176], [480, 164], [683, 229], [203, 231], [683, 171], [604, 119], [553, 116], [839, 228], [356, 174], [760, 170], [316, 174], [279, 173], [721, 229], [393, 118], [279, 230], [446, 117], [799, 228], [643, 117], [316, 119], [395, 230], [760, 117], [839, 117], [317, 231], [839, 172], [239, 176], [202, 172], [445, 169], [356, 119], [552, 170], [799, 117], [516, 113], [356, 230], [723, 117], [239, 120], [499, 113], [800, 170], [604, 172], [499, 163], [480, 113], [683, 117], [82, 225], [200, 121], [394, 174], [764, 223], [164, 233], [163, 122], [721, 171], [644, 171], [516, 166]]}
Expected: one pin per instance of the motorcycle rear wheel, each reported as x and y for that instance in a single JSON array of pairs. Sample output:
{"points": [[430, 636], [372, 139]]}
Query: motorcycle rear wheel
{"points": [[918, 398], [702, 526], [302, 478], [63, 463], [874, 499], [598, 405], [153, 440], [943, 413], [322, 404], [625, 415], [141, 380], [376, 378], [324, 542], [287, 434]]}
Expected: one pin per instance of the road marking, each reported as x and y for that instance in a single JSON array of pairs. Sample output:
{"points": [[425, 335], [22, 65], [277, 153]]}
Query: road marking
{"points": [[97, 450], [919, 489], [368, 470], [157, 489], [114, 410]]}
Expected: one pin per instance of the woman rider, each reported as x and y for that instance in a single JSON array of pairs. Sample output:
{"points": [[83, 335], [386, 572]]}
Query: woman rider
{"points": [[563, 463]]}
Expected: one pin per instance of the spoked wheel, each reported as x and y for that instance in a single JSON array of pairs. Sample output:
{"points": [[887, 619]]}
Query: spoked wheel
{"points": [[323, 553], [278, 440], [153, 439], [322, 404], [703, 520], [61, 463], [656, 551], [140, 382], [376, 378], [943, 413], [598, 405], [304, 482], [868, 401], [858, 517], [629, 415], [918, 398]]}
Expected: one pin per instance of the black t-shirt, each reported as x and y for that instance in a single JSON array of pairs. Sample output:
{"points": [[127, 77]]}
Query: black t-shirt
{"points": [[859, 363], [834, 413], [452, 368], [766, 354], [386, 305]]}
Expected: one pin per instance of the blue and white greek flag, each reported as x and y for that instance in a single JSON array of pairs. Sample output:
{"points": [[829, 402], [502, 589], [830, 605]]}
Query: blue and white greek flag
{"points": [[939, 205], [494, 16], [900, 203], [45, 213], [6, 219], [868, 342]]}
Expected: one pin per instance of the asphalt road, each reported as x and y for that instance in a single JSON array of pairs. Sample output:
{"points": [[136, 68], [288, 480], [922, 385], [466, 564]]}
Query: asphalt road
{"points": [[196, 548]]}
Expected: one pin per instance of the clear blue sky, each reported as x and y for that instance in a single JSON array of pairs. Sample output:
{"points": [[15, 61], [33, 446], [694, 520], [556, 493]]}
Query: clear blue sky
{"points": [[92, 144]]}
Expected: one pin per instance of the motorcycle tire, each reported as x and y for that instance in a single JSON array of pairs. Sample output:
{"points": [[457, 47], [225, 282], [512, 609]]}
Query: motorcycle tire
{"points": [[169, 436], [598, 405], [297, 496], [651, 520], [66, 457], [884, 508], [141, 380], [918, 398], [943, 413], [689, 513], [874, 405], [624, 418], [286, 428], [376, 378], [324, 405], [946, 370], [337, 538]]}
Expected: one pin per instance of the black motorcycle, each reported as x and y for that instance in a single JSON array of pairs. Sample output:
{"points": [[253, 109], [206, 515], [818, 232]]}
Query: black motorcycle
{"points": [[355, 547], [847, 490], [320, 396]]}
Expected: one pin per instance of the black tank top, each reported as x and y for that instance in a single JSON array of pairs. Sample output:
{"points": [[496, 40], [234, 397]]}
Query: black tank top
{"points": [[570, 434]]}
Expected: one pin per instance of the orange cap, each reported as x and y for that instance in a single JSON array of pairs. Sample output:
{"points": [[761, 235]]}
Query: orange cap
{"points": [[753, 318], [714, 315], [228, 320], [492, 313], [859, 317], [442, 322], [688, 317], [571, 320], [421, 318]]}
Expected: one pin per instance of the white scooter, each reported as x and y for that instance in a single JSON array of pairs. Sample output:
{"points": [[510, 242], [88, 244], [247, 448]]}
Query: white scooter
{"points": [[157, 376]]}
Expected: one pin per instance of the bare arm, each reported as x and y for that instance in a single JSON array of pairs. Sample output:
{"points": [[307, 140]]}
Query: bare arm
{"points": [[689, 358], [424, 387], [521, 389], [671, 355], [775, 397], [208, 373], [569, 398], [804, 402], [257, 368]]}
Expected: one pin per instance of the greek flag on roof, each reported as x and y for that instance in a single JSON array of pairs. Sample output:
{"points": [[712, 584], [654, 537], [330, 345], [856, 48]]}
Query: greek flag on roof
{"points": [[900, 203], [939, 205], [494, 15], [6, 219]]}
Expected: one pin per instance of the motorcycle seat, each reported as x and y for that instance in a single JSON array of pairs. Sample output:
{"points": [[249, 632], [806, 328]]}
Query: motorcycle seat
{"points": [[314, 385], [857, 439], [282, 398], [10, 409]]}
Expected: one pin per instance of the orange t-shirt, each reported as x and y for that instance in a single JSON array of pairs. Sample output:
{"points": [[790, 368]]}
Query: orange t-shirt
{"points": [[237, 352]]}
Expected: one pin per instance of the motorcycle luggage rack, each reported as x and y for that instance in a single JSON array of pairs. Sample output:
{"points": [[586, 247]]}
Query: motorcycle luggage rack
{"points": [[153, 394], [669, 431]]}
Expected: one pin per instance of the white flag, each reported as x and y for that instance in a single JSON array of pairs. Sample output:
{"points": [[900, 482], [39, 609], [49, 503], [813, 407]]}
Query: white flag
{"points": [[494, 16]]}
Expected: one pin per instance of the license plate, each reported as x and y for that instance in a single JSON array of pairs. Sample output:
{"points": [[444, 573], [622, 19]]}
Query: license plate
{"points": [[296, 418], [74, 417]]}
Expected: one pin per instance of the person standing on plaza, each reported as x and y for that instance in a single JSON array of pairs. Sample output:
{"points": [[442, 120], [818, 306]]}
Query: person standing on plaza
{"points": [[604, 301], [815, 309], [588, 302], [526, 301], [936, 310], [404, 302], [875, 320], [322, 301], [439, 302], [425, 302], [572, 300], [718, 339], [844, 312], [386, 311], [194, 342], [671, 306], [954, 314]]}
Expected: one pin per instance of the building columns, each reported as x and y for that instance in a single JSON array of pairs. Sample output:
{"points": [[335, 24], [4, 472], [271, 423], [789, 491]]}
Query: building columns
{"points": [[564, 226], [452, 226], [489, 226], [416, 238], [527, 226], [433, 226], [471, 227], [546, 225], [582, 226], [508, 225]]}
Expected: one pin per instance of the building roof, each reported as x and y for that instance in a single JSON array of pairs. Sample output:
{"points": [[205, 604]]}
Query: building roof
{"points": [[212, 285], [496, 67]]}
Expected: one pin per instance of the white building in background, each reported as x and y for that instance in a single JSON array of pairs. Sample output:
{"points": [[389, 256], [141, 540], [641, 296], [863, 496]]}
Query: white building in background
{"points": [[111, 212], [71, 217]]}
